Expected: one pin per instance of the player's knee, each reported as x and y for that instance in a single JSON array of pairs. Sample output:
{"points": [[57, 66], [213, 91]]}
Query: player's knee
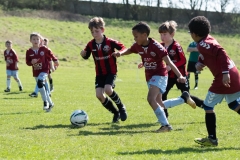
{"points": [[40, 83], [233, 105], [206, 108]]}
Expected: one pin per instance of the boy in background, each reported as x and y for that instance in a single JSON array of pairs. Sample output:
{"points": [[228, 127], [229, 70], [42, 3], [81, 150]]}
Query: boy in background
{"points": [[11, 59], [193, 59], [101, 49], [226, 83], [38, 57], [153, 54]]}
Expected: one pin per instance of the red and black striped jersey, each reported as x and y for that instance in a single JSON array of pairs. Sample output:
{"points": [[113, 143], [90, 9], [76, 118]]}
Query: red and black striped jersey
{"points": [[176, 54], [105, 63]]}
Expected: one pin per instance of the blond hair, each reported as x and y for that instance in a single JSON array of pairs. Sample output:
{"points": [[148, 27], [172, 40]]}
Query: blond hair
{"points": [[35, 34], [168, 26], [96, 22]]}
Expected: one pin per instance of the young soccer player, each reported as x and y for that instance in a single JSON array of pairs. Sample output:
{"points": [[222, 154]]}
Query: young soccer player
{"points": [[226, 83], [153, 54], [167, 31], [38, 57], [11, 59], [193, 59], [101, 49], [44, 42]]}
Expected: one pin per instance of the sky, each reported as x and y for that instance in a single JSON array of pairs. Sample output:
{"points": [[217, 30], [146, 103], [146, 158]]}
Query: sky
{"points": [[211, 6]]}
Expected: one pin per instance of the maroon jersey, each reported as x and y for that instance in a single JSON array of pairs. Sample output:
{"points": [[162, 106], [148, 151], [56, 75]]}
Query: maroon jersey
{"points": [[216, 59], [11, 58], [152, 58], [44, 55], [177, 56], [105, 63]]}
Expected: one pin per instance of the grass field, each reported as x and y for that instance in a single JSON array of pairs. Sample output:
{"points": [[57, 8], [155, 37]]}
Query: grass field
{"points": [[26, 132]]}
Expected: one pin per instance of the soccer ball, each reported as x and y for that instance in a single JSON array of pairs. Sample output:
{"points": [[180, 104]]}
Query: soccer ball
{"points": [[79, 118]]}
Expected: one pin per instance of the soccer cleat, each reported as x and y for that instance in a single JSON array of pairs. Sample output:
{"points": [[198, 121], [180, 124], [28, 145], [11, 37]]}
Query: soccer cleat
{"points": [[116, 117], [45, 105], [50, 107], [7, 90], [51, 88], [33, 95], [195, 87], [20, 88], [185, 95], [206, 141], [123, 113], [166, 128]]}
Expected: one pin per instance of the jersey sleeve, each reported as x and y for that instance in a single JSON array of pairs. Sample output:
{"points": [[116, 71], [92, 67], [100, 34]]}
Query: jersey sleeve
{"points": [[182, 58], [118, 45], [51, 55], [28, 59], [133, 48], [88, 50]]}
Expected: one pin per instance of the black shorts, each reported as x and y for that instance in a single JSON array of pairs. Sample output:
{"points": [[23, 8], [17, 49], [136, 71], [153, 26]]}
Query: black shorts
{"points": [[191, 67], [102, 80]]}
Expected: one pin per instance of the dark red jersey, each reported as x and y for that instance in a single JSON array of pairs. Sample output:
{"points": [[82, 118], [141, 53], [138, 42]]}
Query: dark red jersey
{"points": [[44, 55], [105, 63], [177, 56], [11, 58], [216, 59], [152, 58]]}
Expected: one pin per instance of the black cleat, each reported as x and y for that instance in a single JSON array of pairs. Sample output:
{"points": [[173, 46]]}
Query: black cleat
{"points": [[116, 117], [123, 113], [7, 90], [20, 88]]}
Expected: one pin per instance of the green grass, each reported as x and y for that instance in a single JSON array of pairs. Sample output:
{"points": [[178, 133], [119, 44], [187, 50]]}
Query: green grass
{"points": [[26, 132]]}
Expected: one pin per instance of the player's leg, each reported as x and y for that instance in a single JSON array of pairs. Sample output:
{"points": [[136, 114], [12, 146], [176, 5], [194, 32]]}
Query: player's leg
{"points": [[196, 80], [50, 82], [157, 85], [232, 100], [170, 84], [210, 119], [35, 93], [17, 79], [9, 73], [47, 102], [108, 89], [106, 102]]}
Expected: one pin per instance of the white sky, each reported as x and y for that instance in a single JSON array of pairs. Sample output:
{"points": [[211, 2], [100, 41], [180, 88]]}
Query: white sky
{"points": [[212, 5]]}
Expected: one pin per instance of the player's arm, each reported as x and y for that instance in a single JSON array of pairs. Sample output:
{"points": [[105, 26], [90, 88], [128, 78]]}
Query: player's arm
{"points": [[28, 59], [122, 53], [86, 53], [182, 59], [168, 61], [52, 57]]}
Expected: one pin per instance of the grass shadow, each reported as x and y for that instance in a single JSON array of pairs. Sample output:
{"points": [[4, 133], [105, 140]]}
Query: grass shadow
{"points": [[16, 113], [41, 126], [19, 92], [182, 150], [113, 132]]}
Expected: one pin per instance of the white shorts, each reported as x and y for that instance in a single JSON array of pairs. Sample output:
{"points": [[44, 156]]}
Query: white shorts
{"points": [[212, 98], [42, 76], [159, 81], [13, 73]]}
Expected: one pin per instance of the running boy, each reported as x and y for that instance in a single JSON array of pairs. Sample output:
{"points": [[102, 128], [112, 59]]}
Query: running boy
{"points": [[226, 83], [38, 57], [193, 59], [101, 49], [11, 59], [153, 54]]}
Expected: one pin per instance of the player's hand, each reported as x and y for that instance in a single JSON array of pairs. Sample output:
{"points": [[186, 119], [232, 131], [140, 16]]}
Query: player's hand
{"points": [[181, 79], [83, 53], [56, 64], [34, 61], [226, 80], [199, 66], [168, 68], [140, 65], [116, 54]]}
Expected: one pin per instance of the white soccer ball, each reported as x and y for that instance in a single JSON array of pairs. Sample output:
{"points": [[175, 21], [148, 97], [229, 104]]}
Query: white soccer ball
{"points": [[79, 118]]}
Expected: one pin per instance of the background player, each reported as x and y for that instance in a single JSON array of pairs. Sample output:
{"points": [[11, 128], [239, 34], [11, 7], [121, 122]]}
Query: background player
{"points": [[11, 59]]}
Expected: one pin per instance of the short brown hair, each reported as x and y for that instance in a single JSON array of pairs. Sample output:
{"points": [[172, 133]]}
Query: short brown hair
{"points": [[168, 26], [45, 40], [8, 41], [34, 34], [96, 22], [142, 27]]}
